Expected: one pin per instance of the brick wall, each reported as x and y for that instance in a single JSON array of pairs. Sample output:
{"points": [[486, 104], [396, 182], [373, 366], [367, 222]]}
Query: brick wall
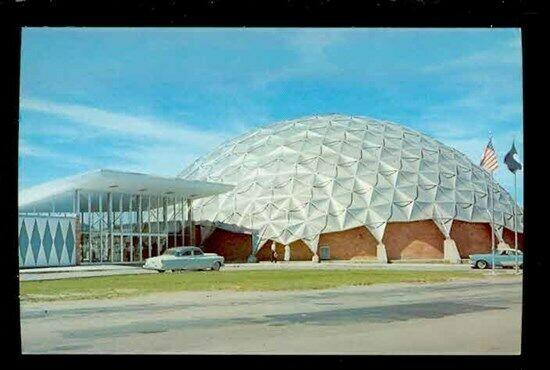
{"points": [[413, 240], [344, 245], [508, 236], [471, 237], [233, 246], [299, 251], [403, 240]]}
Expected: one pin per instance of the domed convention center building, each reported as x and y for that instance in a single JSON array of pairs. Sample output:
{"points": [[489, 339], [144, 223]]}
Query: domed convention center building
{"points": [[341, 187]]}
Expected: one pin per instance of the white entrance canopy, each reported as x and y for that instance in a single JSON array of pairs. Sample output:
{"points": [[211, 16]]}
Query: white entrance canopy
{"points": [[59, 195]]}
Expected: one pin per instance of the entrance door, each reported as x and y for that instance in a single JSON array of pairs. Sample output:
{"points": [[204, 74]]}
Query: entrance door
{"points": [[324, 252]]}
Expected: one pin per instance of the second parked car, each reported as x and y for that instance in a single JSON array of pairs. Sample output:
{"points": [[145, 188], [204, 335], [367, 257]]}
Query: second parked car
{"points": [[503, 258]]}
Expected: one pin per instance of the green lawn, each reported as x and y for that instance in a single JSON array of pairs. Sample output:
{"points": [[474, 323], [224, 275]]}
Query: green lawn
{"points": [[130, 285]]}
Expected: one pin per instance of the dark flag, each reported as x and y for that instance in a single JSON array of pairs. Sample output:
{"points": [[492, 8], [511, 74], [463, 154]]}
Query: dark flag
{"points": [[511, 162]]}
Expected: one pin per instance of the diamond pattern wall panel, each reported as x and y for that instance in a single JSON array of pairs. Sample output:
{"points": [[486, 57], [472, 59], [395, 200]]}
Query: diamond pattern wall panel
{"points": [[23, 242], [300, 178], [46, 241]]}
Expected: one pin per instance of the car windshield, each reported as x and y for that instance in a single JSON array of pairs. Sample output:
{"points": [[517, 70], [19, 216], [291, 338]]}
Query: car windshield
{"points": [[171, 251]]}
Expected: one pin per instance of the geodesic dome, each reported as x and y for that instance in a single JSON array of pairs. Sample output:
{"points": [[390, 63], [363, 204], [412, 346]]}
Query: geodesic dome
{"points": [[301, 178]]}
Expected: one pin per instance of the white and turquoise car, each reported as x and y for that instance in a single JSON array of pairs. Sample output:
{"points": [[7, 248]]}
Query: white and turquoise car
{"points": [[503, 258], [184, 258]]}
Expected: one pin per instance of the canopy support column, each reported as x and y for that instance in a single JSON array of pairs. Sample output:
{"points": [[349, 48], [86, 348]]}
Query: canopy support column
{"points": [[110, 221], [131, 226], [120, 209], [140, 222], [174, 228], [100, 209], [165, 218], [190, 221], [182, 211], [90, 227], [157, 214], [149, 247], [76, 203], [78, 230]]}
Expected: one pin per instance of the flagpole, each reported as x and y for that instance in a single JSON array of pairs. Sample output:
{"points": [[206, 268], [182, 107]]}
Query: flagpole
{"points": [[492, 225], [489, 163], [514, 166], [492, 216], [515, 223]]}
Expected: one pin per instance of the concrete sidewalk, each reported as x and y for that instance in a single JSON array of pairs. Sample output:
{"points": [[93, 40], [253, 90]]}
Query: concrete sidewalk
{"points": [[81, 272], [80, 268], [69, 272], [341, 265]]}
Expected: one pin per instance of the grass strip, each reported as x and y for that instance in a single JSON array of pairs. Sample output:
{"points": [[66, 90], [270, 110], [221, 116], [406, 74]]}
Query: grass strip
{"points": [[130, 285]]}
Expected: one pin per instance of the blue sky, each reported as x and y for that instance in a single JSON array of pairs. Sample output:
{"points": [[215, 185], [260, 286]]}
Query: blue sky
{"points": [[153, 100]]}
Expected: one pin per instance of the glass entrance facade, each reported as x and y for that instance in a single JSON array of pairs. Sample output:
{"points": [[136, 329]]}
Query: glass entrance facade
{"points": [[119, 227]]}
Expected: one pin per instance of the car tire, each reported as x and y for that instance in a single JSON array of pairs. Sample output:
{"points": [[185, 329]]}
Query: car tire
{"points": [[160, 271], [481, 264], [216, 266]]}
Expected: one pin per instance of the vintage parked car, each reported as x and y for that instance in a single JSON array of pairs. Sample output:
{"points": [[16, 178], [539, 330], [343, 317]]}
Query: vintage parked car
{"points": [[184, 258], [503, 258]]}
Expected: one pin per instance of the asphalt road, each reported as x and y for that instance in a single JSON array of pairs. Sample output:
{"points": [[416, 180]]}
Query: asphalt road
{"points": [[467, 317]]}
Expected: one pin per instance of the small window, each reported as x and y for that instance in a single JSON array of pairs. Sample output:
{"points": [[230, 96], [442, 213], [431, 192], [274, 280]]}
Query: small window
{"points": [[185, 253], [197, 252]]}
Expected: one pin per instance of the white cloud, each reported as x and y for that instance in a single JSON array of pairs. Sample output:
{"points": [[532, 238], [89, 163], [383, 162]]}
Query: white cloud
{"points": [[488, 100], [310, 47], [29, 150], [115, 140], [147, 128], [507, 53], [156, 159]]}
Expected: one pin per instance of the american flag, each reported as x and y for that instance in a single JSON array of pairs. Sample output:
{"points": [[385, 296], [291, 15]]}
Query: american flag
{"points": [[489, 160]]}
